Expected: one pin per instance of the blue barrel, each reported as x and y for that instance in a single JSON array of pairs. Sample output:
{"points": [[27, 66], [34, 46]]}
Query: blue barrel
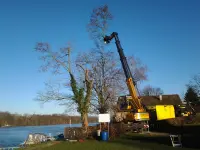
{"points": [[104, 136]]}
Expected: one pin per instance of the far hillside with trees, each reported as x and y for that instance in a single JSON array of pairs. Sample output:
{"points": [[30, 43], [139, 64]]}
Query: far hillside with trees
{"points": [[10, 119]]}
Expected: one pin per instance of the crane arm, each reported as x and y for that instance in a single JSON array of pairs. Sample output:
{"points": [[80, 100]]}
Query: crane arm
{"points": [[129, 78]]}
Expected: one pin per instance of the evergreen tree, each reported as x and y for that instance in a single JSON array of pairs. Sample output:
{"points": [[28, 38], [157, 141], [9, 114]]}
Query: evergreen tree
{"points": [[191, 95]]}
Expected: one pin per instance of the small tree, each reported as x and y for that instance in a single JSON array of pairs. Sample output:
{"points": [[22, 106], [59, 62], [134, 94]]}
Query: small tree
{"points": [[151, 91], [191, 95]]}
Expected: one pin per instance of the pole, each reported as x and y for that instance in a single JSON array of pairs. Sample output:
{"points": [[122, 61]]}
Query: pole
{"points": [[70, 122], [148, 125], [108, 129]]}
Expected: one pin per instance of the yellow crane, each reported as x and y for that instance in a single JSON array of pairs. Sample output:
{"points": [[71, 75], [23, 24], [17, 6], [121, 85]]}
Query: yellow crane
{"points": [[131, 108]]}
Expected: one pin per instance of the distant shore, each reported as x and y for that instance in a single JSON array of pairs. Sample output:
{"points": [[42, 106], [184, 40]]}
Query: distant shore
{"points": [[9, 119], [45, 125]]}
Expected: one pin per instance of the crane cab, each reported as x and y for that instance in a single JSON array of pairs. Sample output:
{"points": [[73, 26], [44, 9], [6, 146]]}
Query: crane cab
{"points": [[131, 114]]}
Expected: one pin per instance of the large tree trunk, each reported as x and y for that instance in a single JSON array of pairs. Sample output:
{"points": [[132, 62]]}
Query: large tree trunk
{"points": [[84, 117]]}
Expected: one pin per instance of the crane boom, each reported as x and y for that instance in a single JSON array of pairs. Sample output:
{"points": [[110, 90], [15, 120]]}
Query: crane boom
{"points": [[129, 78]]}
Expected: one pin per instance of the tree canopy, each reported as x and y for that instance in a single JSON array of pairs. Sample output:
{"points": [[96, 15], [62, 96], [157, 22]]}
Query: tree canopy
{"points": [[195, 83]]}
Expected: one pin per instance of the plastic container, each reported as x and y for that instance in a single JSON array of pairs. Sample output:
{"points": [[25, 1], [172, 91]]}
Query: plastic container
{"points": [[98, 132], [98, 135], [104, 136]]}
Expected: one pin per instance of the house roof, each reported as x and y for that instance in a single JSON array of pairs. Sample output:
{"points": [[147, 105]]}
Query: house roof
{"points": [[173, 99]]}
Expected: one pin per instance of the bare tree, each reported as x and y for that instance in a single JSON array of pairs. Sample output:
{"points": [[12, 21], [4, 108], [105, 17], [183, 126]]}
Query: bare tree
{"points": [[151, 91], [108, 77], [195, 84], [98, 24], [60, 62], [106, 70]]}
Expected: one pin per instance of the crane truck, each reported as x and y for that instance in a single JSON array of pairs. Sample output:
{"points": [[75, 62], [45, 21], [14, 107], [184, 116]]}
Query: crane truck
{"points": [[130, 107]]}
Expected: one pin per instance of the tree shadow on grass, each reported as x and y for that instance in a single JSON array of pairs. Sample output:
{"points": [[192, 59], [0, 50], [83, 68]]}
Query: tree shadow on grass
{"points": [[140, 144], [190, 133], [147, 142], [191, 141]]}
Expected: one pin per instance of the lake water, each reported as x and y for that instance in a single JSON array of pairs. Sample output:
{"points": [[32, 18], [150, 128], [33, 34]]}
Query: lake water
{"points": [[13, 136]]}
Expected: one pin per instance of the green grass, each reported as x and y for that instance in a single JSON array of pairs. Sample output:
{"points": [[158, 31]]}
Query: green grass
{"points": [[125, 142]]}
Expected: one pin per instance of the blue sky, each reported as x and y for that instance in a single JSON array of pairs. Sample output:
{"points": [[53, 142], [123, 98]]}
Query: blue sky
{"points": [[165, 35]]}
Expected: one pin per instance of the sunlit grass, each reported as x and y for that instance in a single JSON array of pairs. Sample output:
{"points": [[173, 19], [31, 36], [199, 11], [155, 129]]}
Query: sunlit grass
{"points": [[126, 142]]}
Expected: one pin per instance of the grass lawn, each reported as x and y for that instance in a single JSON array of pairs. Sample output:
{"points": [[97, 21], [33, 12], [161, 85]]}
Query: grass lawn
{"points": [[125, 142]]}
